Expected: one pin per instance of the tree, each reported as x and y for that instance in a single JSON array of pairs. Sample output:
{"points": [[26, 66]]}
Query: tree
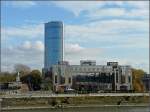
{"points": [[23, 69], [33, 79], [37, 79], [137, 75]]}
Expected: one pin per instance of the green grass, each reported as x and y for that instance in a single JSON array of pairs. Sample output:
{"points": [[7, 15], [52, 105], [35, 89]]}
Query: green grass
{"points": [[78, 101]]}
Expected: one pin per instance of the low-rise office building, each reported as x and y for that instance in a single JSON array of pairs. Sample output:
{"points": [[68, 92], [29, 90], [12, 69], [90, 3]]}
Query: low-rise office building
{"points": [[91, 77]]}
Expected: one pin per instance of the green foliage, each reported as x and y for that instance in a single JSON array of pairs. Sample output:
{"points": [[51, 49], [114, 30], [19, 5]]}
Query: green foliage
{"points": [[7, 77], [36, 75], [33, 79]]}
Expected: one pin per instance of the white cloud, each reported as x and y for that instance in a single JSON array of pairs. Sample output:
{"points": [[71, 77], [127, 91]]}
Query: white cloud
{"points": [[74, 53], [118, 12], [73, 48], [123, 33], [31, 54], [108, 12], [139, 4], [140, 64], [128, 33], [79, 6], [26, 45], [27, 31], [95, 8], [39, 46], [77, 53], [23, 4], [28, 53]]}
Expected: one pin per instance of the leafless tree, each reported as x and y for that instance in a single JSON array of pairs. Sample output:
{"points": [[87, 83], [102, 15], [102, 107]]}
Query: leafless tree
{"points": [[23, 69]]}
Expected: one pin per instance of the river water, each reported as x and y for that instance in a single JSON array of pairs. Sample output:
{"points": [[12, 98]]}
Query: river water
{"points": [[89, 109]]}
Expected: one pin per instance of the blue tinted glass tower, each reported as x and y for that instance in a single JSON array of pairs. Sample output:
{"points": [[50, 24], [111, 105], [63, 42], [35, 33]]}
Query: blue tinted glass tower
{"points": [[53, 43]]}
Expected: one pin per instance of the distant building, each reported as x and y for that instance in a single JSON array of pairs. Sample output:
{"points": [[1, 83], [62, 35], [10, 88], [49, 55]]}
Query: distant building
{"points": [[53, 44], [146, 82], [88, 62], [86, 76], [91, 77]]}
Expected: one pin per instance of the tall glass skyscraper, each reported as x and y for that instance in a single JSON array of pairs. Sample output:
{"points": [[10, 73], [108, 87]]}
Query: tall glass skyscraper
{"points": [[53, 43]]}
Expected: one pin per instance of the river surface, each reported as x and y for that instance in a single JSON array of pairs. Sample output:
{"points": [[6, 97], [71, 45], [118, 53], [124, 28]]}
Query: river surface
{"points": [[89, 109]]}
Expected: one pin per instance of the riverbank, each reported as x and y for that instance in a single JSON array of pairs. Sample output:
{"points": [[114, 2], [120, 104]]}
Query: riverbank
{"points": [[70, 102]]}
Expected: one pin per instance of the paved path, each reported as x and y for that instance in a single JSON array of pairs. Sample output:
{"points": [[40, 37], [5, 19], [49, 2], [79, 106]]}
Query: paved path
{"points": [[34, 95], [81, 106]]}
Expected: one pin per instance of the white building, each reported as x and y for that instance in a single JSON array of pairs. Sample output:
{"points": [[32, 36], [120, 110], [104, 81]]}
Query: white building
{"points": [[89, 76]]}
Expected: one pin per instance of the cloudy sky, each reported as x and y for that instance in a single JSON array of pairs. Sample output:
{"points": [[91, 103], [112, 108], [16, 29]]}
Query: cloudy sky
{"points": [[99, 30]]}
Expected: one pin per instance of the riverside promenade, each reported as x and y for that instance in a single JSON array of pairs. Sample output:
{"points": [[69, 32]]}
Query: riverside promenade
{"points": [[44, 95], [43, 100]]}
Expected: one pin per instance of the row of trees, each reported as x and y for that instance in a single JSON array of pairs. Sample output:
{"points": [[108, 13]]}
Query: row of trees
{"points": [[7, 77], [32, 78]]}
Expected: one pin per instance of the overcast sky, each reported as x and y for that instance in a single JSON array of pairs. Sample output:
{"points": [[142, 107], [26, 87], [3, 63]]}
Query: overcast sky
{"points": [[97, 30]]}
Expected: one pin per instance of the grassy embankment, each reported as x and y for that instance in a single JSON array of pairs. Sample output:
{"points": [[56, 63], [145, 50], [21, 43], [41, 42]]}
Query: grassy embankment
{"points": [[76, 101]]}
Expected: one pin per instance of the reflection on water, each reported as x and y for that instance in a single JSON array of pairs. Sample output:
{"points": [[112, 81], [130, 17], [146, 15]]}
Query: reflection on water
{"points": [[89, 109]]}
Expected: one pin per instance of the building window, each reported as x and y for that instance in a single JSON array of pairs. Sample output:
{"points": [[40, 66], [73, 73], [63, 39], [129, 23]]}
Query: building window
{"points": [[129, 79], [122, 79], [55, 78], [69, 80], [62, 80], [116, 77]]}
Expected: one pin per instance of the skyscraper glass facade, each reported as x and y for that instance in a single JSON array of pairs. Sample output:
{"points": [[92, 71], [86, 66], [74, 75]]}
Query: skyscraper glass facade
{"points": [[53, 43]]}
